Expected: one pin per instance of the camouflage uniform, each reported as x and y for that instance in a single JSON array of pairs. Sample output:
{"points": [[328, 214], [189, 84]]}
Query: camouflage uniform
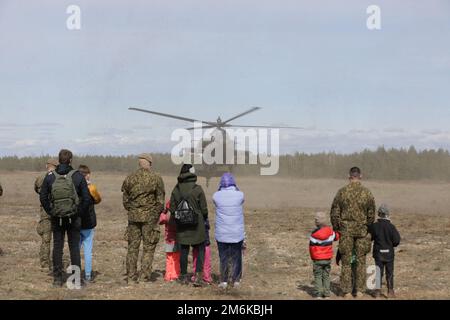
{"points": [[143, 198], [353, 210], [44, 228]]}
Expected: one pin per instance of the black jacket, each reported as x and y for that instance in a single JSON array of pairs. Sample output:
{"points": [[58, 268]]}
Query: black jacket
{"points": [[386, 238], [89, 220], [80, 185]]}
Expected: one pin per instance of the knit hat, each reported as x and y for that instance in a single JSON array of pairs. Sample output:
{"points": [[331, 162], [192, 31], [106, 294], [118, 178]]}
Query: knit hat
{"points": [[320, 218], [227, 180], [383, 211]]}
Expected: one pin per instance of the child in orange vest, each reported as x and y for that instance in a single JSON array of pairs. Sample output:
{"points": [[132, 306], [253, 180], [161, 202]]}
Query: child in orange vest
{"points": [[321, 251]]}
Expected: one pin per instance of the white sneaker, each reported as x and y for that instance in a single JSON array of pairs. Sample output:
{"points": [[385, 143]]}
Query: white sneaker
{"points": [[237, 285], [223, 285]]}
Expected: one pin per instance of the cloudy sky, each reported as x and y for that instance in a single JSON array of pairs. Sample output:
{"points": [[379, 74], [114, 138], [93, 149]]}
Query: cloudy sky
{"points": [[306, 63]]}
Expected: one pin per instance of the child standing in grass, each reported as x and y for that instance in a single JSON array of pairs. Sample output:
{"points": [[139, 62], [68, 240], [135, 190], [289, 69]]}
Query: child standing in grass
{"points": [[88, 223], [321, 251], [386, 238], [171, 247]]}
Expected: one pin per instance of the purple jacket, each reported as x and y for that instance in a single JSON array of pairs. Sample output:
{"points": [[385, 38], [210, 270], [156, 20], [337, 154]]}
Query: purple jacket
{"points": [[229, 215]]}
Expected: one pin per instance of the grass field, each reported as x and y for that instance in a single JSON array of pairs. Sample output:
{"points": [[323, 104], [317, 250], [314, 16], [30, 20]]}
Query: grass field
{"points": [[278, 215]]}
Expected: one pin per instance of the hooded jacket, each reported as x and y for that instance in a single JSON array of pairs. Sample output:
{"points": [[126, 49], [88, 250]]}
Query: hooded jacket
{"points": [[229, 215], [187, 188], [321, 243], [89, 220], [386, 238], [170, 234]]}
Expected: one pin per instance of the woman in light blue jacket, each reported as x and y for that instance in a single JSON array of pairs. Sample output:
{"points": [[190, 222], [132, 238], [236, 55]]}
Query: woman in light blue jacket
{"points": [[229, 230]]}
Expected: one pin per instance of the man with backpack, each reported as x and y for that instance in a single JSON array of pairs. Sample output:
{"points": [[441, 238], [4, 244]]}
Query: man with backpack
{"points": [[65, 197], [143, 198]]}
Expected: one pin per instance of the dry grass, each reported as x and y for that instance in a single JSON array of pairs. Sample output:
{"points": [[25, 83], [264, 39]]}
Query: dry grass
{"points": [[276, 265]]}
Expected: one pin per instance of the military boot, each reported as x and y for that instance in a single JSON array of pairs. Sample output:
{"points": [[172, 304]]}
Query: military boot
{"points": [[57, 282], [45, 266], [131, 279], [377, 294]]}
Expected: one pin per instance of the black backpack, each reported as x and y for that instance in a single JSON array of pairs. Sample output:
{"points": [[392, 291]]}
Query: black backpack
{"points": [[184, 214]]}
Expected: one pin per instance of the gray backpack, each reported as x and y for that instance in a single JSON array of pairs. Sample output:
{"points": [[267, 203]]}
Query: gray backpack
{"points": [[64, 197]]}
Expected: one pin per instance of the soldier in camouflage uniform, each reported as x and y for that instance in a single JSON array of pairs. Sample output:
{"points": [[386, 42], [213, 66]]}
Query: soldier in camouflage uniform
{"points": [[143, 198], [353, 210], [44, 227]]}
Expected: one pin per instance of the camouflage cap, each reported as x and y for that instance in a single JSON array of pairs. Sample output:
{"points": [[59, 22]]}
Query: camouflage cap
{"points": [[146, 156], [383, 211], [52, 162]]}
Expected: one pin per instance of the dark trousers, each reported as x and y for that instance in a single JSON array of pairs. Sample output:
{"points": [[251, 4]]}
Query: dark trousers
{"points": [[185, 255], [60, 228], [387, 267], [230, 255]]}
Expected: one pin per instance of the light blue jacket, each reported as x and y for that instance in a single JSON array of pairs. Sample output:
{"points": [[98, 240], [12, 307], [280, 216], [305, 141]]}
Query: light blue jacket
{"points": [[229, 215]]}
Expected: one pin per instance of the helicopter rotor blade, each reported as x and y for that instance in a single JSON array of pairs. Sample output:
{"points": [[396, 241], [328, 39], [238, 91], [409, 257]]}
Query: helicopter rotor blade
{"points": [[203, 127], [268, 127], [242, 114], [171, 116]]}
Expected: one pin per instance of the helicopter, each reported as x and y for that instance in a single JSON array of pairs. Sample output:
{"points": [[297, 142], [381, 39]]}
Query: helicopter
{"points": [[209, 171]]}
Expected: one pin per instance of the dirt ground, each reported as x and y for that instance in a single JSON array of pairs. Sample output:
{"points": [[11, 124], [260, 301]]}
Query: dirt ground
{"points": [[278, 215]]}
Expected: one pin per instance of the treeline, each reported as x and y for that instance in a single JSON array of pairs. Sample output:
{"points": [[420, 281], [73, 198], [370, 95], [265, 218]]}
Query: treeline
{"points": [[162, 163], [382, 164]]}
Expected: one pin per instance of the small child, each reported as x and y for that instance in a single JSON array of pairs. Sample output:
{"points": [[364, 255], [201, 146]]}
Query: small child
{"points": [[207, 263], [171, 247], [88, 223], [386, 238], [321, 251]]}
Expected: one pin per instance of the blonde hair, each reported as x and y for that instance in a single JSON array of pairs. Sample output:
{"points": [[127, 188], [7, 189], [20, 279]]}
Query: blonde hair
{"points": [[320, 218]]}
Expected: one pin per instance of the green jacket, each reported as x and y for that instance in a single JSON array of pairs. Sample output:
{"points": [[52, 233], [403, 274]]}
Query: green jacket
{"points": [[353, 210], [143, 196], [37, 188], [188, 189]]}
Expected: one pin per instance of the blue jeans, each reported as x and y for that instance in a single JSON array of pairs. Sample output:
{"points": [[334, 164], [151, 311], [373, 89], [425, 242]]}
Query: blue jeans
{"points": [[87, 242], [230, 261]]}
